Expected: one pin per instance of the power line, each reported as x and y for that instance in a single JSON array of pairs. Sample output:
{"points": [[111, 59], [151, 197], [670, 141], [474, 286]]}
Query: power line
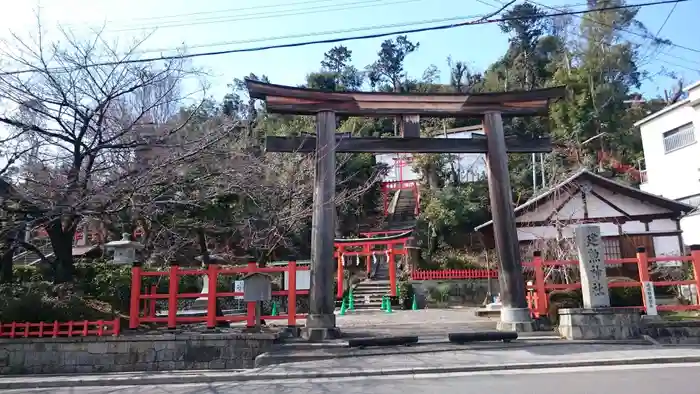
{"points": [[658, 32], [319, 33], [267, 14], [189, 14], [486, 20], [645, 36]]}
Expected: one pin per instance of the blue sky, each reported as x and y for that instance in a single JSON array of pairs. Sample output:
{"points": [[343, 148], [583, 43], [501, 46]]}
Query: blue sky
{"points": [[200, 24]]}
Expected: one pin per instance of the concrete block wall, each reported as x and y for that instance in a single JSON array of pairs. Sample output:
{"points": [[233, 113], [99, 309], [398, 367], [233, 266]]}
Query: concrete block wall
{"points": [[162, 352]]}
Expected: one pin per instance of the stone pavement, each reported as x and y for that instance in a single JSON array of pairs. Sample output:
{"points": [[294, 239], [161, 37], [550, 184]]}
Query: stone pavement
{"points": [[423, 322], [465, 359]]}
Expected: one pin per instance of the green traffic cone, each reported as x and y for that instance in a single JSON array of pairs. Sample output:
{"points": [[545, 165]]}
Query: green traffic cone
{"points": [[274, 309], [343, 308], [383, 303], [388, 306], [414, 305], [351, 300], [398, 291]]}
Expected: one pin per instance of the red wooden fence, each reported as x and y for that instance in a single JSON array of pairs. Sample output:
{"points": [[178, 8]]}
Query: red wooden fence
{"points": [[453, 274], [58, 329], [213, 271]]}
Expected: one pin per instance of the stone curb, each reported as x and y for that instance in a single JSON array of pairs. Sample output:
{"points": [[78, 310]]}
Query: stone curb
{"points": [[253, 375], [268, 359]]}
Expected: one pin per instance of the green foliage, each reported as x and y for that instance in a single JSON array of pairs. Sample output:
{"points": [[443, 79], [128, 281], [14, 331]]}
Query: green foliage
{"points": [[406, 293], [560, 299]]}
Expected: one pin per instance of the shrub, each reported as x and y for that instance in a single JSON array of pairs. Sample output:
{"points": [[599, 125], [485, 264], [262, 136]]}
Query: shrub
{"points": [[406, 294], [559, 299], [43, 301], [624, 296]]}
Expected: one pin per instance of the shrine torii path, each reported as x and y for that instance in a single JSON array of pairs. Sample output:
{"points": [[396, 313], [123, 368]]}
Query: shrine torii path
{"points": [[408, 108]]}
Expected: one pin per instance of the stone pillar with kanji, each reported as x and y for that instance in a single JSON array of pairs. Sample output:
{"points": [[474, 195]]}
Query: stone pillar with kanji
{"points": [[595, 319]]}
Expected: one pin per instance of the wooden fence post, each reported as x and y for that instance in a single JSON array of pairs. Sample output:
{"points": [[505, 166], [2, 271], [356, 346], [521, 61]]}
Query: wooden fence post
{"points": [[340, 274], [135, 300], [540, 290], [250, 306], [292, 295], [212, 277], [392, 271], [643, 268], [173, 289], [695, 255]]}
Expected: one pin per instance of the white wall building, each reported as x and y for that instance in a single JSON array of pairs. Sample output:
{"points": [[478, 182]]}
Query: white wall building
{"points": [[672, 157], [627, 217], [470, 166]]}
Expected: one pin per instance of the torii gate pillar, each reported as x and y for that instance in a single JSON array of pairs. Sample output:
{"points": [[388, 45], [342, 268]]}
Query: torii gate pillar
{"points": [[515, 315], [320, 323]]}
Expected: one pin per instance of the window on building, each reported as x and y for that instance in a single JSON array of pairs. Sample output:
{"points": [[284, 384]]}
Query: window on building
{"points": [[679, 138]]}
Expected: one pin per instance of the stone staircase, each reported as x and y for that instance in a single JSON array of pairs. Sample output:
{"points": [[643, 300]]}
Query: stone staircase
{"points": [[368, 294], [403, 207]]}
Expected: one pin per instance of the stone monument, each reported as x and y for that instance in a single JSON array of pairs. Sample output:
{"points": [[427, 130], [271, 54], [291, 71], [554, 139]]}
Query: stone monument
{"points": [[596, 320]]}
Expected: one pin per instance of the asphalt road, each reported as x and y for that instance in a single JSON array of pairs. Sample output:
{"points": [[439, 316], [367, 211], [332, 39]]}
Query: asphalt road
{"points": [[647, 379]]}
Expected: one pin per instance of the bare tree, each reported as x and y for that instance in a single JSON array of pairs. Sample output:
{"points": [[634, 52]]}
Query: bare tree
{"points": [[76, 113]]}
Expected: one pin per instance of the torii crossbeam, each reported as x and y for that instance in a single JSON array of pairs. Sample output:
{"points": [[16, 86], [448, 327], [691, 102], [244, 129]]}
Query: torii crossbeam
{"points": [[489, 107]]}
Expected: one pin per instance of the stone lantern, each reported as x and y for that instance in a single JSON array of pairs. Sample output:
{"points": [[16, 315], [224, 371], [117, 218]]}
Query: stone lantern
{"points": [[124, 250], [201, 302]]}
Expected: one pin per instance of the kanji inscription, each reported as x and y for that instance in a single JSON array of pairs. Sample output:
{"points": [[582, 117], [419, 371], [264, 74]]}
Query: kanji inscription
{"points": [[594, 281]]}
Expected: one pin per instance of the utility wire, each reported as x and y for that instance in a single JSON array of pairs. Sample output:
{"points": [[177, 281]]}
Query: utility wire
{"points": [[267, 15], [654, 52], [645, 36], [485, 20]]}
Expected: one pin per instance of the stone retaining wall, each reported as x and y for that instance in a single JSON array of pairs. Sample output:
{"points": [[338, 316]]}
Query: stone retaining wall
{"points": [[161, 352], [674, 332], [461, 291]]}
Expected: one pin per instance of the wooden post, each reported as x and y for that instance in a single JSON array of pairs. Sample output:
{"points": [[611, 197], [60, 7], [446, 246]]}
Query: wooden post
{"points": [[250, 306], [135, 301], [292, 295], [213, 276], [320, 323], [340, 276], [173, 288], [514, 312], [391, 258], [540, 289]]}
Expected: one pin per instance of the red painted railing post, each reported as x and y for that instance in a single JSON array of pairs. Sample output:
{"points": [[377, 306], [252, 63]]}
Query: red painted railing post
{"points": [[173, 289], [340, 274], [212, 277], [135, 300], [116, 327], [292, 295], [643, 267], [368, 258], [541, 292], [695, 255], [392, 272], [250, 306]]}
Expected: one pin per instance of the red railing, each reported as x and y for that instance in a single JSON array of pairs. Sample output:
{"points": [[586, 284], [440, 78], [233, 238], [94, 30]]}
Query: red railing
{"points": [[213, 271], [58, 329], [539, 288], [453, 274]]}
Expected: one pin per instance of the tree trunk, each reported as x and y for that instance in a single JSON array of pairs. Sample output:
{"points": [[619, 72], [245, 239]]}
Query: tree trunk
{"points": [[6, 255], [62, 244]]}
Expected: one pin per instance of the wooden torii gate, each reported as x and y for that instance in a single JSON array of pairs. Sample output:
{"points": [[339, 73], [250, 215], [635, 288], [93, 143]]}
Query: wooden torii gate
{"points": [[408, 108]]}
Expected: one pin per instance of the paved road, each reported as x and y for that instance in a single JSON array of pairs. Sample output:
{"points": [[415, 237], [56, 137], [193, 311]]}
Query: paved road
{"points": [[648, 379]]}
